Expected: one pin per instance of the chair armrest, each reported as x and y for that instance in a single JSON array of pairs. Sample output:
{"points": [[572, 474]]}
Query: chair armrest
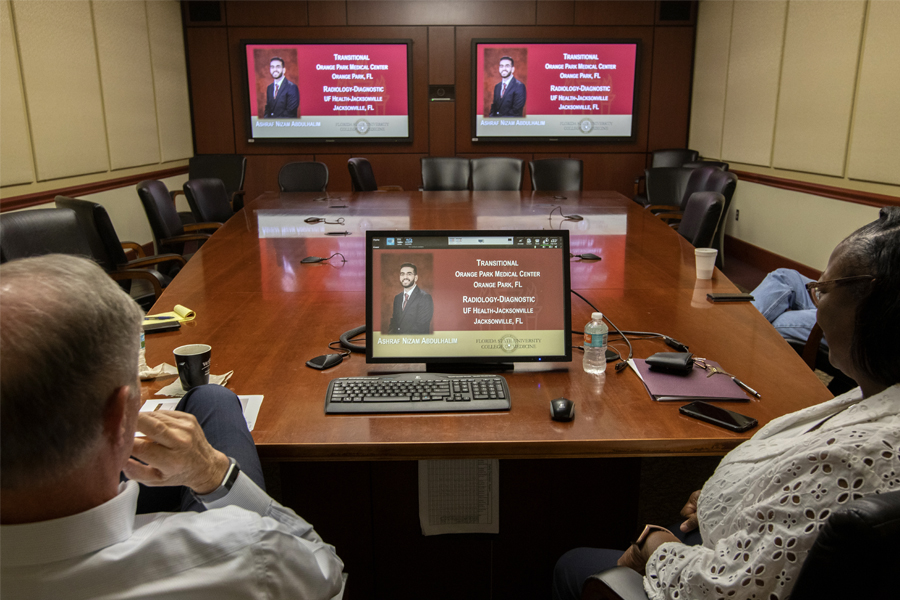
{"points": [[187, 237], [135, 247], [150, 275], [655, 208], [175, 193], [201, 226], [155, 260], [618, 583], [637, 184], [390, 188], [811, 349], [670, 218]]}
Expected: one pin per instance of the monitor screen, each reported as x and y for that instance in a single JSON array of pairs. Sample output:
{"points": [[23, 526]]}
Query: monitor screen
{"points": [[467, 296], [334, 91], [547, 91]]}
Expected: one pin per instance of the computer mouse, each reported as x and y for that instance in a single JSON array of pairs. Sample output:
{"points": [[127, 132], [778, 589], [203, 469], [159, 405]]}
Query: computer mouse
{"points": [[562, 409], [326, 361]]}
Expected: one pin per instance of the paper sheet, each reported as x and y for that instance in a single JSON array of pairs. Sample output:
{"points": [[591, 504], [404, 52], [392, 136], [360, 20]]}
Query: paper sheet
{"points": [[459, 496], [250, 405]]}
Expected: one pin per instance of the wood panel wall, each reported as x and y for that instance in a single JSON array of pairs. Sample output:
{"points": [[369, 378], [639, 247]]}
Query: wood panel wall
{"points": [[441, 34]]}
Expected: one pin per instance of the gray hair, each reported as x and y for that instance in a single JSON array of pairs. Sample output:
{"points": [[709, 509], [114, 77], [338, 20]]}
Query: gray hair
{"points": [[69, 337]]}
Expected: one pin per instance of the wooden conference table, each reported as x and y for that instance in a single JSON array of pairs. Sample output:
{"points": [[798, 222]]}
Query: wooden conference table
{"points": [[265, 314]]}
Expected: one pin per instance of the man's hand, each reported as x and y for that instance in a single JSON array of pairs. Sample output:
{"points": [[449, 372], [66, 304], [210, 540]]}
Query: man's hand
{"points": [[689, 512], [636, 558], [176, 453]]}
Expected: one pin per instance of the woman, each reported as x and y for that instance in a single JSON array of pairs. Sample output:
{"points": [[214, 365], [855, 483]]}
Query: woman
{"points": [[759, 513]]}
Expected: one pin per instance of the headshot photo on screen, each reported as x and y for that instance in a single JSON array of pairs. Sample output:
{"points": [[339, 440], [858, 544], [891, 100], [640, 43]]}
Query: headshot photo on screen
{"points": [[275, 89], [505, 82], [409, 306]]}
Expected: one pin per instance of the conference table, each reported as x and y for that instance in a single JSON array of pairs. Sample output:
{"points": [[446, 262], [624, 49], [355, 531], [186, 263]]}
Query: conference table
{"points": [[265, 314]]}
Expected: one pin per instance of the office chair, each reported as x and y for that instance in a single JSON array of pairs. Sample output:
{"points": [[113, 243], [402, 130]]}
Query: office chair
{"points": [[363, 178], [854, 556], [208, 200], [669, 157], [169, 233], [303, 177], [230, 168], [701, 218], [697, 181], [695, 164], [497, 173], [556, 175], [665, 187], [445, 173], [58, 231], [109, 252]]}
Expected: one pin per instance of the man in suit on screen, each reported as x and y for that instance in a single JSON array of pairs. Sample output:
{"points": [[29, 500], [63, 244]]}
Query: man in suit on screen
{"points": [[282, 96], [413, 307], [509, 94]]}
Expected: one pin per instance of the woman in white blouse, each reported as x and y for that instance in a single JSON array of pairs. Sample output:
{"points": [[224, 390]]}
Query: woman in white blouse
{"points": [[760, 512]]}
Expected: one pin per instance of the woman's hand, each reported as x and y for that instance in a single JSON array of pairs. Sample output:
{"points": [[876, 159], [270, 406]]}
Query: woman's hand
{"points": [[689, 512], [636, 557]]}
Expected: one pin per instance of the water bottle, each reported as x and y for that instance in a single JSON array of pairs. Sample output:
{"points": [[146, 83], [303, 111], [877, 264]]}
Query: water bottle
{"points": [[595, 335]]}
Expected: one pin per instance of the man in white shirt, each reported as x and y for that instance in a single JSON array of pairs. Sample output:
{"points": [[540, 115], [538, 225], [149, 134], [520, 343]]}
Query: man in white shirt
{"points": [[70, 400]]}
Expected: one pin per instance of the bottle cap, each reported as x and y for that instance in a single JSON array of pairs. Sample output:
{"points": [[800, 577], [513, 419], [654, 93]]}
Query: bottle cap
{"points": [[597, 316]]}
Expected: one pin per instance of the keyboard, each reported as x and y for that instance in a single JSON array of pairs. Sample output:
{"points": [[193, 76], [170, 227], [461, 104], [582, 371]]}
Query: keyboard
{"points": [[416, 393]]}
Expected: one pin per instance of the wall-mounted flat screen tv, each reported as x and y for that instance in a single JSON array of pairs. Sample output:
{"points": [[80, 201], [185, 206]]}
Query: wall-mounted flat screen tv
{"points": [[549, 91], [298, 91]]}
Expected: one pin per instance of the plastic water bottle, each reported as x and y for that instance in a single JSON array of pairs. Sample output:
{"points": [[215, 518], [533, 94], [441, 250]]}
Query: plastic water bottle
{"points": [[595, 335]]}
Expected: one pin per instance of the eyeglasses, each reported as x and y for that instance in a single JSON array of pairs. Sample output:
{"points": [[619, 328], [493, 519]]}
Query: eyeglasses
{"points": [[817, 288]]}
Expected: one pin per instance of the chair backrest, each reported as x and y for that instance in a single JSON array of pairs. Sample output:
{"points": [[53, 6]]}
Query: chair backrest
{"points": [[497, 173], [160, 210], [556, 174], [673, 157], [208, 200], [701, 218], [698, 181], [855, 553], [665, 186], [303, 177], [43, 231], [99, 232], [724, 166], [445, 173], [361, 175], [230, 168]]}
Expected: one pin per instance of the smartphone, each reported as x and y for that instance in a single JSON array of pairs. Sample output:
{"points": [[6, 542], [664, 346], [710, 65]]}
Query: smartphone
{"points": [[718, 416], [729, 297]]}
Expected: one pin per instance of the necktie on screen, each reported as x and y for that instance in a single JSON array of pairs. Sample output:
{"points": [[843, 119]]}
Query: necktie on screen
{"points": [[503, 90], [275, 93], [405, 298]]}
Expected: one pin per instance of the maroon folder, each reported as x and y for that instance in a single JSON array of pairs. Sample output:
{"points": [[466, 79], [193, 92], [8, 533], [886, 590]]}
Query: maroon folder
{"points": [[696, 385]]}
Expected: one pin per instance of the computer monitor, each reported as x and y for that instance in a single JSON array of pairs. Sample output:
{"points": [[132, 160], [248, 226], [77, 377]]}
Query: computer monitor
{"points": [[457, 300]]}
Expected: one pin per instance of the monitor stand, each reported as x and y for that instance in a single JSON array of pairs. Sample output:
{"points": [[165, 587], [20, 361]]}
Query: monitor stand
{"points": [[467, 368]]}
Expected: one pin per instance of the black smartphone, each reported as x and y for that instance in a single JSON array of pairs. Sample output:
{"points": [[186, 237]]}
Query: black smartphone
{"points": [[729, 297], [718, 416]]}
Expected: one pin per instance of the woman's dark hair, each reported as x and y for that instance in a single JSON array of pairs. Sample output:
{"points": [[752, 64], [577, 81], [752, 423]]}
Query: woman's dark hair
{"points": [[874, 249]]}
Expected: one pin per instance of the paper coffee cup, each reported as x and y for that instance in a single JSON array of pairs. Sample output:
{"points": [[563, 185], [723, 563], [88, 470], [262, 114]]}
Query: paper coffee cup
{"points": [[193, 364], [706, 262]]}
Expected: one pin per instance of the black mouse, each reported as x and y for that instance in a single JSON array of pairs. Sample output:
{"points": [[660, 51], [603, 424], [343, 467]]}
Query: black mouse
{"points": [[562, 409], [326, 361]]}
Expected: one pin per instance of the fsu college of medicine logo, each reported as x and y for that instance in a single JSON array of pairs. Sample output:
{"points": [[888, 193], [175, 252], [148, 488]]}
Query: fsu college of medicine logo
{"points": [[362, 127]]}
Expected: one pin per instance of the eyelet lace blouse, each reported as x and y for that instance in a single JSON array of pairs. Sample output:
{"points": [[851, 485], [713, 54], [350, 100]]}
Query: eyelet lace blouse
{"points": [[761, 510]]}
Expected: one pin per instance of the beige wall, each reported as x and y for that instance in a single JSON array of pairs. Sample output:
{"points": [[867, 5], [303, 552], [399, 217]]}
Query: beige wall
{"points": [[92, 91], [804, 90]]}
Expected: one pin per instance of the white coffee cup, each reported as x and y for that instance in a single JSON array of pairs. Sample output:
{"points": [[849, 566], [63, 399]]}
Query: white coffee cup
{"points": [[706, 262]]}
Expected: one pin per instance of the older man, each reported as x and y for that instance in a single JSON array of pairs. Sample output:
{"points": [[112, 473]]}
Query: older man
{"points": [[69, 409]]}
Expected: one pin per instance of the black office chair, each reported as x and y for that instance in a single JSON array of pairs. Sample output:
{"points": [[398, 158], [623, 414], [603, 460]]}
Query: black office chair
{"points": [[701, 218], [109, 252], [56, 231], [697, 181], [303, 177], [230, 168], [556, 175], [668, 157], [169, 233], [854, 556], [362, 177], [695, 164], [665, 187], [208, 200], [445, 173], [497, 173]]}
